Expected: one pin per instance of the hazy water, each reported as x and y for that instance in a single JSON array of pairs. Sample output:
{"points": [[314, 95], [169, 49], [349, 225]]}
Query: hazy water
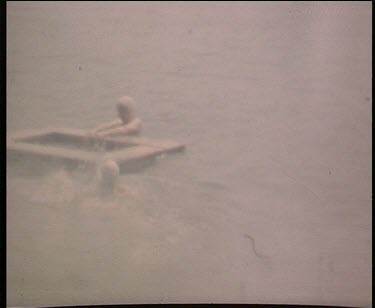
{"points": [[273, 101]]}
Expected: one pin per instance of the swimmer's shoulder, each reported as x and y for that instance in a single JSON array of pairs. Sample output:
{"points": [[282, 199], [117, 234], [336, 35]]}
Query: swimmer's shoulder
{"points": [[134, 127]]}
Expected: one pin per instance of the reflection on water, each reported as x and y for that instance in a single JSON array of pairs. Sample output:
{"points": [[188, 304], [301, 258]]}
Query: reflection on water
{"points": [[273, 102]]}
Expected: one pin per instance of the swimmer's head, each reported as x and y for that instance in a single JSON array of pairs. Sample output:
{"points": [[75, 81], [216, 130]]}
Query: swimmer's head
{"points": [[125, 108], [109, 173]]}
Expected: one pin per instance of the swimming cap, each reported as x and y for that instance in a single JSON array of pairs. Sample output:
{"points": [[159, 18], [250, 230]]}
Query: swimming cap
{"points": [[109, 172], [126, 103]]}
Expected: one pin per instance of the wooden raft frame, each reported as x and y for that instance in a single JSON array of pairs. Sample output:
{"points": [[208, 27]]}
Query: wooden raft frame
{"points": [[134, 149]]}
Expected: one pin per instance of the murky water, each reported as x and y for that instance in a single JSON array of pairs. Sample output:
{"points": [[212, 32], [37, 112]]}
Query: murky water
{"points": [[270, 203]]}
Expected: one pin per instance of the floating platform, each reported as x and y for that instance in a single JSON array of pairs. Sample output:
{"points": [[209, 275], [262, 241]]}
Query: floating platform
{"points": [[76, 146]]}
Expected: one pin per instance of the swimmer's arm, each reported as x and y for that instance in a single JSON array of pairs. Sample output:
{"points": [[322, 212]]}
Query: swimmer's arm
{"points": [[107, 126], [133, 127]]}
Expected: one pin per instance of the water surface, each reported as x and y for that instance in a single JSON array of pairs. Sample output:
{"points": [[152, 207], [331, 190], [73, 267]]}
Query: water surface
{"points": [[270, 203]]}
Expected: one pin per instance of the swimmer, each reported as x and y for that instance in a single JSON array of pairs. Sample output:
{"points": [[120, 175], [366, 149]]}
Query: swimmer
{"points": [[108, 176], [109, 173], [126, 124]]}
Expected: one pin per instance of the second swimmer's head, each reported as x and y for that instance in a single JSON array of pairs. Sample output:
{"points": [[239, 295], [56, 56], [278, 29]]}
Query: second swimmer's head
{"points": [[109, 173]]}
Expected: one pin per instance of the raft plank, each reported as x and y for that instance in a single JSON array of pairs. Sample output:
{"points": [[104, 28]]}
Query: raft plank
{"points": [[52, 152], [25, 135], [78, 133], [133, 140], [141, 148], [168, 145], [129, 155], [135, 154]]}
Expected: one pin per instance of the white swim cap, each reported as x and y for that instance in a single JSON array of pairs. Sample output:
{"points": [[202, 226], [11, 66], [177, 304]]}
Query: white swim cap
{"points": [[126, 102], [125, 108], [109, 172]]}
